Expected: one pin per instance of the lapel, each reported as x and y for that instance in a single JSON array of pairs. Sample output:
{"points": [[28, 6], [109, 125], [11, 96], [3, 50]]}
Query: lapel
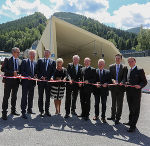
{"points": [[12, 63], [115, 70], [132, 72], [28, 65]]}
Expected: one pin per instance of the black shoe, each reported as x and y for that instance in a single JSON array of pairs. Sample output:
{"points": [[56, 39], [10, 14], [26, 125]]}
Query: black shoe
{"points": [[73, 113], [15, 113], [4, 116], [117, 122], [48, 114], [81, 115], [42, 114], [111, 118], [31, 112], [86, 118], [128, 124], [131, 129], [24, 116], [103, 120], [66, 116]]}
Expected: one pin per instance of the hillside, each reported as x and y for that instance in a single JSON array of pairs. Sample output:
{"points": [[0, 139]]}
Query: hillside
{"points": [[135, 30], [23, 32]]}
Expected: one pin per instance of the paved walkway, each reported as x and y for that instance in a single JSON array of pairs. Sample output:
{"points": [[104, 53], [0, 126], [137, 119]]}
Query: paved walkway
{"points": [[56, 131]]}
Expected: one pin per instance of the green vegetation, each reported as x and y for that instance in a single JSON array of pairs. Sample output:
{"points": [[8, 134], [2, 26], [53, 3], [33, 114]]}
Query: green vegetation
{"points": [[23, 32]]}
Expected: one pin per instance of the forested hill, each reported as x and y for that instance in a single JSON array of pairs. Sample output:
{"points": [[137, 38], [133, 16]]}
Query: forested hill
{"points": [[23, 32], [121, 39]]}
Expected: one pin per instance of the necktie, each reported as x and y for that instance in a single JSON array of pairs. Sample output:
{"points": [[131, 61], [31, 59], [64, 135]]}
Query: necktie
{"points": [[32, 70], [76, 69], [46, 64], [16, 68], [117, 72], [100, 74], [128, 75]]}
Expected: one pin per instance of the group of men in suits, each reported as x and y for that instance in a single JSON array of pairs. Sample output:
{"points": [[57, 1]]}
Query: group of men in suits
{"points": [[85, 79]]}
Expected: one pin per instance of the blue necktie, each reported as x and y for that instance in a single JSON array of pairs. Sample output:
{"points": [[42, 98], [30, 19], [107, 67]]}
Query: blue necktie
{"points": [[117, 72], [16, 68], [32, 71]]}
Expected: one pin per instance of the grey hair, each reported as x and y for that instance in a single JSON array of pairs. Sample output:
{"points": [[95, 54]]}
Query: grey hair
{"points": [[76, 56], [101, 60], [87, 58], [15, 49], [31, 51], [59, 60], [47, 50]]}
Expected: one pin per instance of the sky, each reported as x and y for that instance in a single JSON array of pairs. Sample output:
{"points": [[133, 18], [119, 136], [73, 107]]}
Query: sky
{"points": [[122, 14]]}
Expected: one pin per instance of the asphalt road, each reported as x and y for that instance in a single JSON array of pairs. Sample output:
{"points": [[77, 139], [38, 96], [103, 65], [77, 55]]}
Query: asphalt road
{"points": [[56, 131]]}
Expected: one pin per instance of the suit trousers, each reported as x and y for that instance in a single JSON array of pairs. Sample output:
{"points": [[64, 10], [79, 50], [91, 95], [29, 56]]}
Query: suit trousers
{"points": [[85, 95], [43, 86], [103, 102], [134, 100], [10, 87], [27, 96], [71, 97], [117, 95]]}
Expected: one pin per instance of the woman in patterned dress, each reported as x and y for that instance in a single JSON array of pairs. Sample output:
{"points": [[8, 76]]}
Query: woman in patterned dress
{"points": [[58, 88]]}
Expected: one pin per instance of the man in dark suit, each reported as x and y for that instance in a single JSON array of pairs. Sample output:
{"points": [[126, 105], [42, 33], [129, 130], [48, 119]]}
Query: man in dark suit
{"points": [[117, 72], [11, 67], [28, 68], [74, 71], [101, 90], [45, 70], [87, 76], [135, 77]]}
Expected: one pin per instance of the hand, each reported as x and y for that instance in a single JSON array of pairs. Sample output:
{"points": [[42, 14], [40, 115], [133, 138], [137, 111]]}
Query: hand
{"points": [[105, 85], [137, 86], [42, 78], [51, 79], [86, 81], [15, 73], [79, 84], [121, 84], [98, 84], [71, 81]]}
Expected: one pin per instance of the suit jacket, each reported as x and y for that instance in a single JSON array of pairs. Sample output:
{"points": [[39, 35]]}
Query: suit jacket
{"points": [[41, 69], [26, 71], [88, 74], [121, 76], [105, 78], [8, 69], [137, 77], [72, 72]]}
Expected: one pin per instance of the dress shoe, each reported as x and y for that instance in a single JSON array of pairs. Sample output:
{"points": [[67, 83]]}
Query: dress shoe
{"points": [[15, 113], [117, 122], [73, 113], [96, 118], [86, 118], [66, 116], [128, 124], [103, 120], [31, 112], [24, 116], [48, 114], [131, 129], [42, 114], [4, 116], [81, 115], [111, 118]]}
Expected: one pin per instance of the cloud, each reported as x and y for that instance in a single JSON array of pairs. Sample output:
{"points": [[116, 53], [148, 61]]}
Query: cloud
{"points": [[125, 17], [19, 7], [131, 16]]}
